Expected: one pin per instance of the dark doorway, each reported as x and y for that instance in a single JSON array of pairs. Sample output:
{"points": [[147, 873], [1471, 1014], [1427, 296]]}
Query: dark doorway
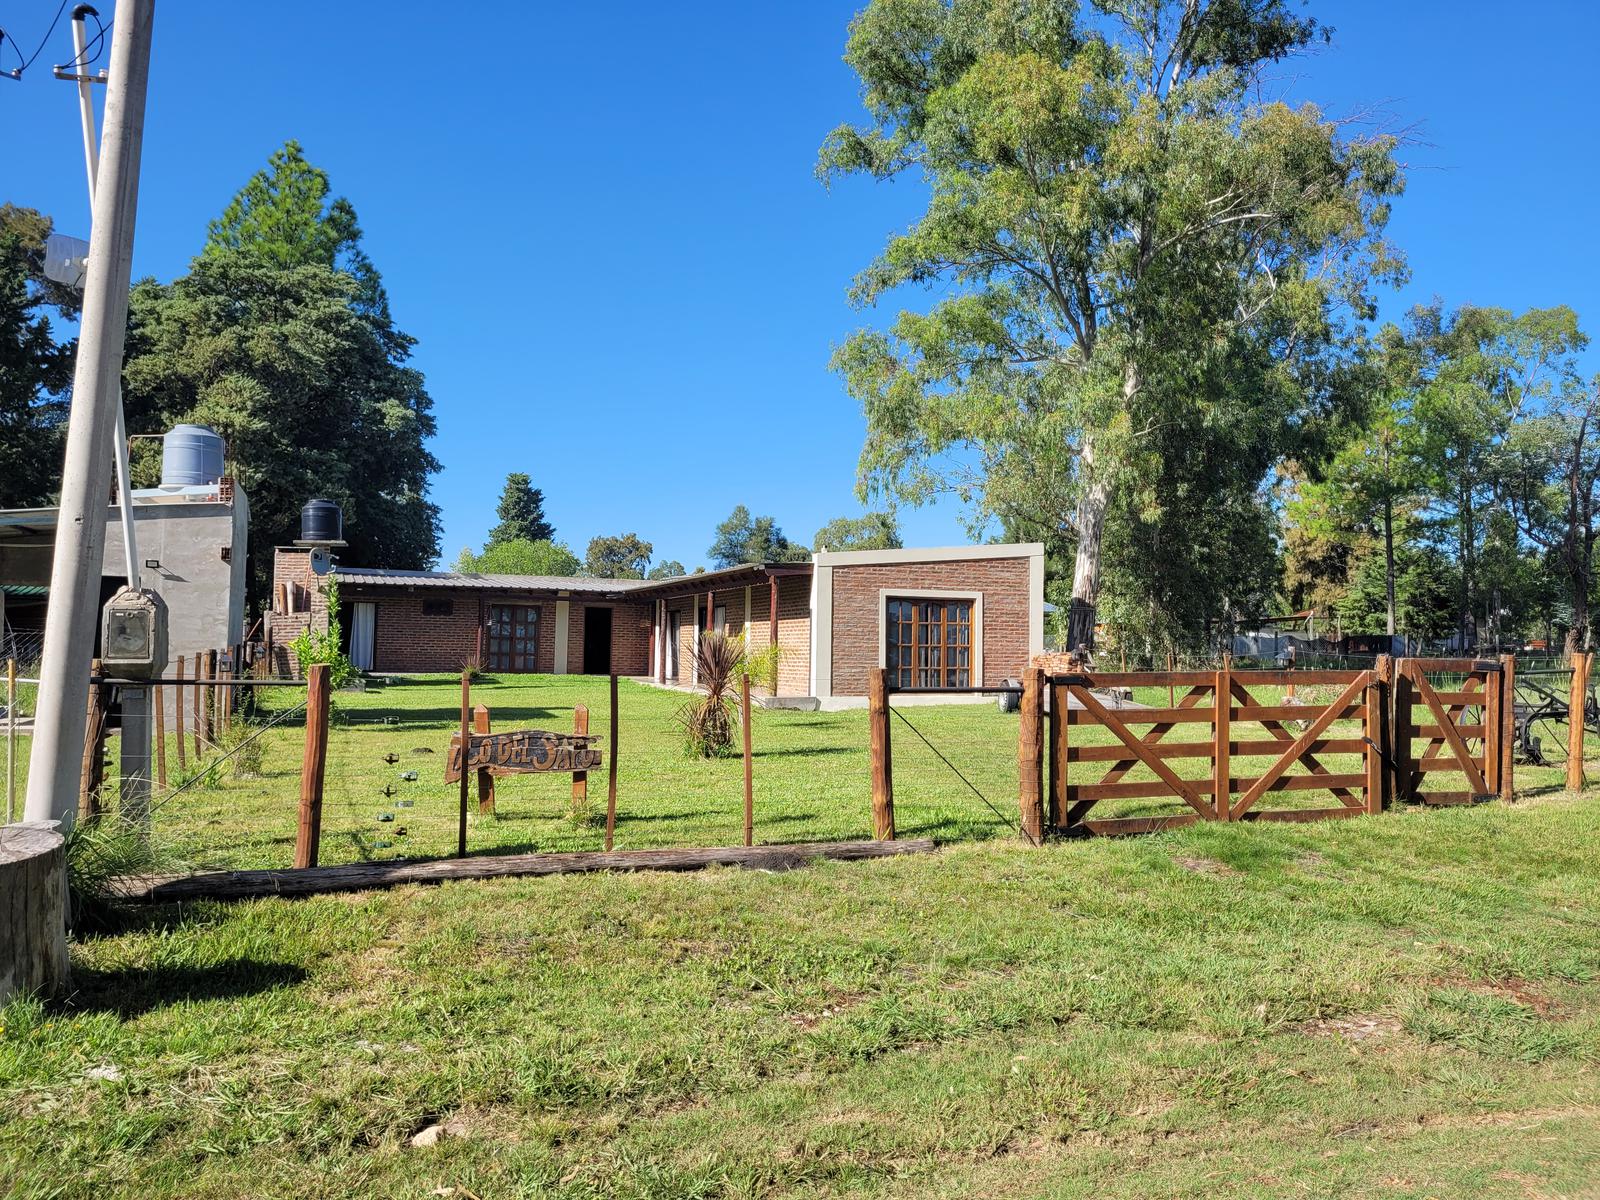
{"points": [[596, 641]]}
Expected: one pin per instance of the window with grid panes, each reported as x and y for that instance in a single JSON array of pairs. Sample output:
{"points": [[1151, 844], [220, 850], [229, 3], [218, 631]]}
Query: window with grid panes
{"points": [[929, 643]]}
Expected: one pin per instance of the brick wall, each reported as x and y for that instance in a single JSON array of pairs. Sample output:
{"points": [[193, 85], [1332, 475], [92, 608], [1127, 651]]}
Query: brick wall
{"points": [[407, 639], [630, 636], [857, 613], [794, 629], [292, 565]]}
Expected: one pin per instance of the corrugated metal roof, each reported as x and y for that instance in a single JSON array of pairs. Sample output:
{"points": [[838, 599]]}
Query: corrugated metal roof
{"points": [[498, 583]]}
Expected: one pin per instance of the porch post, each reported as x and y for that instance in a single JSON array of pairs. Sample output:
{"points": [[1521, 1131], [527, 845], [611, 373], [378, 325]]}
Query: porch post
{"points": [[661, 642], [711, 608]]}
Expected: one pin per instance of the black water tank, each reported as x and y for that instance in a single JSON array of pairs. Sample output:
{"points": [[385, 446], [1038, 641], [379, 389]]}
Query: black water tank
{"points": [[321, 521]]}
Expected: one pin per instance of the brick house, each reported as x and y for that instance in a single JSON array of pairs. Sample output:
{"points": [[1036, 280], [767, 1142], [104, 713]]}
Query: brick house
{"points": [[947, 617]]}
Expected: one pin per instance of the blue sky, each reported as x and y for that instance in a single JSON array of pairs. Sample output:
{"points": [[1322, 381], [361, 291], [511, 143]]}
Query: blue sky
{"points": [[601, 222]]}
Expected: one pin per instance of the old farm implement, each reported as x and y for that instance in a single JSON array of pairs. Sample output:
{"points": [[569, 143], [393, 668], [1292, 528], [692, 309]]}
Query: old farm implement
{"points": [[1544, 697]]}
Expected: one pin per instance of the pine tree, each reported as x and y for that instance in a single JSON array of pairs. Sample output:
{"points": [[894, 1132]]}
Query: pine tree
{"points": [[521, 513]]}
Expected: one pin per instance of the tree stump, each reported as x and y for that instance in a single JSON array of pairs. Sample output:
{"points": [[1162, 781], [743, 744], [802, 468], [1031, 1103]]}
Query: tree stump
{"points": [[33, 909]]}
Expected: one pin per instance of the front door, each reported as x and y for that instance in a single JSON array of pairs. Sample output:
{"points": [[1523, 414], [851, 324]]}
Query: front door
{"points": [[596, 641], [513, 637]]}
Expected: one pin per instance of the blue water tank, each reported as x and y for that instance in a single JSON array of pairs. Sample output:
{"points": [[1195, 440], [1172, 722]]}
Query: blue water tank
{"points": [[190, 455], [321, 521]]}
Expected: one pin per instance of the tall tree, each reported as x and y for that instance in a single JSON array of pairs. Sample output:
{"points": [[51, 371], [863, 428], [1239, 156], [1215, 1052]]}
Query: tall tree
{"points": [[521, 556], [1554, 481], [1481, 371], [1115, 216], [281, 338], [287, 216], [625, 556], [35, 370], [873, 531], [521, 513], [303, 389], [746, 539], [671, 569]]}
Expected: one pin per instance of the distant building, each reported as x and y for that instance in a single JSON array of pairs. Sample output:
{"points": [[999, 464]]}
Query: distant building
{"points": [[941, 618], [192, 537]]}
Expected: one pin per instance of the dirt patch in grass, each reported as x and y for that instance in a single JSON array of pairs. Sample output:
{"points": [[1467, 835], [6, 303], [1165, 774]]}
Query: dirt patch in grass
{"points": [[1205, 866], [835, 1007], [1518, 991], [1353, 1027]]}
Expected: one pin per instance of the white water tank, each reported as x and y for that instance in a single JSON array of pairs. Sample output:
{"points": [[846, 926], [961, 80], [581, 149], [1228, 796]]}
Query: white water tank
{"points": [[191, 455]]}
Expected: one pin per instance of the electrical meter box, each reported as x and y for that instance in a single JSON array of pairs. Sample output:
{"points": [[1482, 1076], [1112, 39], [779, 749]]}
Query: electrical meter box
{"points": [[134, 641]]}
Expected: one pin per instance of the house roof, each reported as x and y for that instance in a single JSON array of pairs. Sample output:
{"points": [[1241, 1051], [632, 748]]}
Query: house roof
{"points": [[460, 580], [497, 583]]}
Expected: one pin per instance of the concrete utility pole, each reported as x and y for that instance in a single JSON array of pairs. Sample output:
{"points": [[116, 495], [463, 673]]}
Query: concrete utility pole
{"points": [[57, 755]]}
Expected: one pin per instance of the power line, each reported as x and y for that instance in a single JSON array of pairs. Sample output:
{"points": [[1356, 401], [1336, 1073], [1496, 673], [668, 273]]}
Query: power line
{"points": [[16, 73], [97, 43]]}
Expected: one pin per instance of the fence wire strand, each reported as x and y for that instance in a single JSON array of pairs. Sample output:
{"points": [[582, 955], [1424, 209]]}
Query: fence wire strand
{"points": [[202, 771], [1004, 820]]}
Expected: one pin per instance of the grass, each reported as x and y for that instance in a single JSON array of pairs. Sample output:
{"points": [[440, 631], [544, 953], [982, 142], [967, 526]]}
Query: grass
{"points": [[1399, 1006], [1403, 1006], [811, 777]]}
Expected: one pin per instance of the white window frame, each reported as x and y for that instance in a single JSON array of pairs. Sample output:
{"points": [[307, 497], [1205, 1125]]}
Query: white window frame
{"points": [[975, 667]]}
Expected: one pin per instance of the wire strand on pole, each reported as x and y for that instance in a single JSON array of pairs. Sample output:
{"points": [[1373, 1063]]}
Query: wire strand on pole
{"points": [[32, 58], [202, 771], [1004, 820]]}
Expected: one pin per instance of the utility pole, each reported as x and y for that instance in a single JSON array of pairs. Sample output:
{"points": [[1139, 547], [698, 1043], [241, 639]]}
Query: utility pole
{"points": [[69, 634]]}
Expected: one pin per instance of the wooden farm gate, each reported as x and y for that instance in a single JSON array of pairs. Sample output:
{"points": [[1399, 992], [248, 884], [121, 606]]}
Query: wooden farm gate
{"points": [[1455, 717], [1280, 744]]}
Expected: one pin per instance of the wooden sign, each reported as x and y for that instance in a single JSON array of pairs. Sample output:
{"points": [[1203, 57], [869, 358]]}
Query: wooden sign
{"points": [[522, 751]]}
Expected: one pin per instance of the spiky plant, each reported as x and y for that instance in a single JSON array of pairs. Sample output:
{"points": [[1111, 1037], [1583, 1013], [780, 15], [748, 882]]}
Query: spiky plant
{"points": [[711, 718]]}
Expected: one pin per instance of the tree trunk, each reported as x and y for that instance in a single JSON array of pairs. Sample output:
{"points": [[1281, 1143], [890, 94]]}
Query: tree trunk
{"points": [[1092, 505], [1388, 561]]}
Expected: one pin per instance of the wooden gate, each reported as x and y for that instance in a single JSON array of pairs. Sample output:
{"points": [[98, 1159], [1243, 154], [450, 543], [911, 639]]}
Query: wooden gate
{"points": [[1328, 744], [1464, 722]]}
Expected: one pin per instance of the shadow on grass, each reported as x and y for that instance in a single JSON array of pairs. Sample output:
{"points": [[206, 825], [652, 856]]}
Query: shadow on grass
{"points": [[131, 991], [806, 751]]}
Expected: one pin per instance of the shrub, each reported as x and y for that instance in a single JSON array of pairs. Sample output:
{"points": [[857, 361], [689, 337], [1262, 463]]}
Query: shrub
{"points": [[312, 647], [710, 719]]}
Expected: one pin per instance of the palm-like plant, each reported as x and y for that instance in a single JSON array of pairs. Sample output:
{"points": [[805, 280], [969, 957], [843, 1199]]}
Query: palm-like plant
{"points": [[710, 719]]}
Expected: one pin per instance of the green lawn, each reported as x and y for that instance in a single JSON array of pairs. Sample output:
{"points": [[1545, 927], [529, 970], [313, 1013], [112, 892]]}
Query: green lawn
{"points": [[1399, 1006], [1402, 1006], [811, 776]]}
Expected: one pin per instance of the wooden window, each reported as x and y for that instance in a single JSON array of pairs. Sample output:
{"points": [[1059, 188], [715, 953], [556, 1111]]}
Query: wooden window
{"points": [[928, 643], [513, 637], [438, 608]]}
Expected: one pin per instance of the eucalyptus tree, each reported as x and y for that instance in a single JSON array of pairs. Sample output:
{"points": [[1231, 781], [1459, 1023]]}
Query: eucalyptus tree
{"points": [[1116, 218], [1482, 374]]}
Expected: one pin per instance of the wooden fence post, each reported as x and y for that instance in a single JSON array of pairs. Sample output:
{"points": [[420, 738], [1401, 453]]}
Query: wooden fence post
{"points": [[1375, 722], [198, 701], [1577, 699], [1400, 730], [1055, 789], [749, 780], [1030, 756], [210, 706], [1222, 742], [466, 754], [611, 770], [480, 724], [880, 748], [580, 779], [159, 702], [177, 717], [1508, 729], [94, 748], [313, 767]]}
